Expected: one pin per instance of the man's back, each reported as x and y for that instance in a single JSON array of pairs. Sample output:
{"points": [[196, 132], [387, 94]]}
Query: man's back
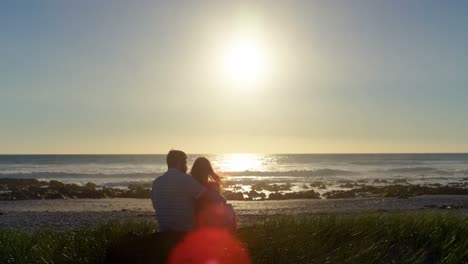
{"points": [[173, 195]]}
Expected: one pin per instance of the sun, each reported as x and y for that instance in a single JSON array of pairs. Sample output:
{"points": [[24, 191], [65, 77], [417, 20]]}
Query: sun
{"points": [[244, 61]]}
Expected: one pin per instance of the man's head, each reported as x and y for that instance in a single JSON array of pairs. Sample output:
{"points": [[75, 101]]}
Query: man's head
{"points": [[177, 159]]}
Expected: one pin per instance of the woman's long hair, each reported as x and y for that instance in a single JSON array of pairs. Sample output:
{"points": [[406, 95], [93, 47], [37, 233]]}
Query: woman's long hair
{"points": [[202, 171]]}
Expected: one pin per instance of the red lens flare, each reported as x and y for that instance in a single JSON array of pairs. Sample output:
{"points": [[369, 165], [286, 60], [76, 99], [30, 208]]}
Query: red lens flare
{"points": [[209, 246]]}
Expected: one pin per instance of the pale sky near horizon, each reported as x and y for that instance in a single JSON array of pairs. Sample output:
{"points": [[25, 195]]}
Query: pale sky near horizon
{"points": [[145, 76]]}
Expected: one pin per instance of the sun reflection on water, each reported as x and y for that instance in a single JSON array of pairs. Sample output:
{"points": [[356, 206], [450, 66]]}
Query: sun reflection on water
{"points": [[240, 162]]}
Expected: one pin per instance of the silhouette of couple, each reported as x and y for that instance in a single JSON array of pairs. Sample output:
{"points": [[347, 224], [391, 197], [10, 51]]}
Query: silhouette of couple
{"points": [[195, 222], [185, 202]]}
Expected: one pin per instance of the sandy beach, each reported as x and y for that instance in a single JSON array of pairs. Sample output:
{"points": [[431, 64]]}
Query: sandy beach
{"points": [[74, 213]]}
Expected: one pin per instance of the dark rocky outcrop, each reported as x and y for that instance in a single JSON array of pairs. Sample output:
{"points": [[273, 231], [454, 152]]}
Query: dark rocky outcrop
{"points": [[294, 195], [32, 189], [271, 187], [233, 196]]}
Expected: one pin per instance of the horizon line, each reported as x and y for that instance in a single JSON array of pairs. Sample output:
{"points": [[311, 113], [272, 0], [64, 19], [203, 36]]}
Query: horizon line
{"points": [[258, 153]]}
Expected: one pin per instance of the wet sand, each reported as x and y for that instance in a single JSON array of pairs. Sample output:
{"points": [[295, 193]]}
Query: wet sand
{"points": [[73, 213]]}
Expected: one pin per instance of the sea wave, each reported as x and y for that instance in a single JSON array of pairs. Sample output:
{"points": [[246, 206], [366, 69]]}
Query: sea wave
{"points": [[60, 175], [323, 172], [317, 172], [67, 175], [388, 162], [126, 183], [421, 170]]}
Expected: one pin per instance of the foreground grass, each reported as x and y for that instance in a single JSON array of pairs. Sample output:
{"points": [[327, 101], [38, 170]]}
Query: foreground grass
{"points": [[374, 238], [79, 246], [357, 238]]}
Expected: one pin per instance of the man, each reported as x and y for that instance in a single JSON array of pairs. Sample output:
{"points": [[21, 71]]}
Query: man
{"points": [[174, 195]]}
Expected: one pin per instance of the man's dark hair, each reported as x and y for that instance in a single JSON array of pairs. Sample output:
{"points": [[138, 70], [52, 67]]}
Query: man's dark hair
{"points": [[174, 157]]}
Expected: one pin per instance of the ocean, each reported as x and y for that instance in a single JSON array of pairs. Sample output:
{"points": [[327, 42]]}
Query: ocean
{"points": [[298, 169], [244, 173]]}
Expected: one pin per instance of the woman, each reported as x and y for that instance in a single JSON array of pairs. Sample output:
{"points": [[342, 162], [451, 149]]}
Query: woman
{"points": [[211, 209]]}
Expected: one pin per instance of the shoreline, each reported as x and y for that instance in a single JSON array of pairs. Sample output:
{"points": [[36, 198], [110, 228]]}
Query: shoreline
{"points": [[33, 189], [75, 213]]}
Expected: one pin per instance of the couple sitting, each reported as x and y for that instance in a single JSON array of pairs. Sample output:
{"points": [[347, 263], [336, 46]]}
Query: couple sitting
{"points": [[188, 208], [184, 202]]}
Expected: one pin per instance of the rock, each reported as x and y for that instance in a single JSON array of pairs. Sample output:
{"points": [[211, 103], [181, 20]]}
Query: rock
{"points": [[53, 184], [451, 206], [275, 196], [90, 186], [253, 194], [316, 184], [380, 181], [229, 195], [55, 195], [294, 195], [271, 187], [346, 185], [259, 186], [339, 195], [344, 181]]}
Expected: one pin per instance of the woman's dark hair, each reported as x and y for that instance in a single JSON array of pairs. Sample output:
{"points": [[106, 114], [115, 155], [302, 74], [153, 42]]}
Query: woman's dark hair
{"points": [[202, 171]]}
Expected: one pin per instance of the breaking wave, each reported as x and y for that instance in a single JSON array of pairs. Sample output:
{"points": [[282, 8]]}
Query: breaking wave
{"points": [[54, 175], [67, 175], [303, 173], [421, 170]]}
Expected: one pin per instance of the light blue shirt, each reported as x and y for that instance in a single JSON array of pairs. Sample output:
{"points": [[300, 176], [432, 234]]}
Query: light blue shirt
{"points": [[173, 196]]}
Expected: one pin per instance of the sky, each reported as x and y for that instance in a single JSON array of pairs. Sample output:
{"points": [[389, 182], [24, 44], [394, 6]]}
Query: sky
{"points": [[115, 77]]}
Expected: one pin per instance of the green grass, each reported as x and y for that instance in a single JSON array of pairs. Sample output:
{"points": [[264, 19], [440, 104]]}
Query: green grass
{"points": [[79, 246], [356, 238], [371, 238]]}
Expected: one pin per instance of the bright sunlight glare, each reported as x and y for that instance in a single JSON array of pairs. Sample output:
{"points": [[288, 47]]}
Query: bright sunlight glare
{"points": [[244, 61], [240, 162]]}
